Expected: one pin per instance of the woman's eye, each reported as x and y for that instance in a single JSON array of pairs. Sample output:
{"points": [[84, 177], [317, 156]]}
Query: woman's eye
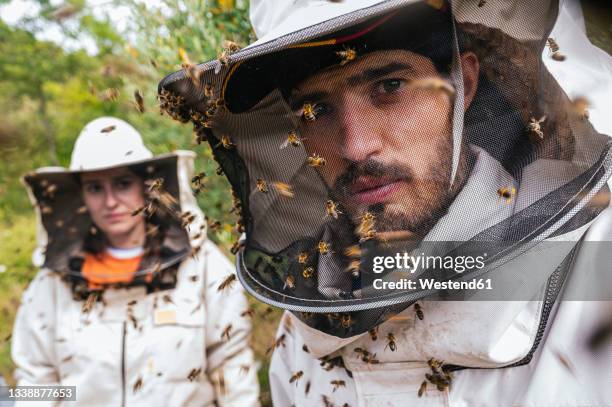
{"points": [[124, 184], [93, 188]]}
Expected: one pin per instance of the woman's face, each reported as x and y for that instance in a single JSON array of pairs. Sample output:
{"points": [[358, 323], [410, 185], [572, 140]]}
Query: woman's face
{"points": [[111, 196]]}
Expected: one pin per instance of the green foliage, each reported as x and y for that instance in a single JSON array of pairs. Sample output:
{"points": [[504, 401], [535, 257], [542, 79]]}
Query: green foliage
{"points": [[48, 93]]}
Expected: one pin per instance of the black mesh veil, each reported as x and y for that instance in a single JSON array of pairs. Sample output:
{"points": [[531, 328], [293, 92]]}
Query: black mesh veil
{"points": [[405, 142]]}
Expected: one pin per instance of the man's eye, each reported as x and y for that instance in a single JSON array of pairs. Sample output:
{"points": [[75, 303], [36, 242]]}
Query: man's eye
{"points": [[320, 109], [390, 85]]}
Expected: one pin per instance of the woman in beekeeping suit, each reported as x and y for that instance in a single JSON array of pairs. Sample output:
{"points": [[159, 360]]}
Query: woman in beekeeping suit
{"points": [[133, 305], [425, 192]]}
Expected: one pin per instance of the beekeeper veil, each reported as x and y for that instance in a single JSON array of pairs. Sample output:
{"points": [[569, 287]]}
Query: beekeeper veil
{"points": [[381, 152]]}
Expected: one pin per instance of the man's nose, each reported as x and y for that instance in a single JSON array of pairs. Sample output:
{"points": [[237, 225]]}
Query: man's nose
{"points": [[360, 127]]}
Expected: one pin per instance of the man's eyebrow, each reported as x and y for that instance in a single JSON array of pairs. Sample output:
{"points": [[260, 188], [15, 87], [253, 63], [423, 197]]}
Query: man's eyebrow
{"points": [[375, 73], [296, 102]]}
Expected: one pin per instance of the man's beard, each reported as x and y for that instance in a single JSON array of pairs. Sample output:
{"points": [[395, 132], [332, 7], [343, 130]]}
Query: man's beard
{"points": [[426, 199]]}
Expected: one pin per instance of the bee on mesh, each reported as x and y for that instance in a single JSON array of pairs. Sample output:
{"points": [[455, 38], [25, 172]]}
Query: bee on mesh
{"points": [[535, 126], [554, 50], [292, 140], [346, 55]]}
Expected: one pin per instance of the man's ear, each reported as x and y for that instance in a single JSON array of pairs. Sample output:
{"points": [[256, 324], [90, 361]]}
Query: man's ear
{"points": [[470, 67]]}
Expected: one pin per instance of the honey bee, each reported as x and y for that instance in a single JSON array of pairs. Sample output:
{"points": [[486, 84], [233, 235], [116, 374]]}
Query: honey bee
{"points": [[292, 139], [296, 376], [139, 101], [391, 342], [307, 272], [194, 373], [277, 342], [226, 142], [108, 129], [208, 91], [323, 247], [223, 58], [354, 268], [214, 225], [227, 282], [197, 179], [244, 369], [506, 193], [346, 55], [187, 218], [554, 49], [110, 95], [226, 332], [369, 235], [236, 247], [308, 112], [331, 209], [423, 388], [346, 321], [316, 160], [89, 302], [373, 333], [230, 46], [248, 313], [302, 257], [307, 388], [283, 189], [580, 107], [287, 324], [353, 251], [481, 3], [305, 348], [262, 186], [50, 190], [435, 365], [137, 385], [192, 72], [167, 299], [222, 388], [535, 127], [219, 171], [362, 352], [337, 384], [419, 311], [435, 85], [289, 282], [183, 56], [155, 185]]}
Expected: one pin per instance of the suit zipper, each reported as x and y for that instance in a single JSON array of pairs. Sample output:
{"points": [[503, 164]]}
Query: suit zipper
{"points": [[123, 364]]}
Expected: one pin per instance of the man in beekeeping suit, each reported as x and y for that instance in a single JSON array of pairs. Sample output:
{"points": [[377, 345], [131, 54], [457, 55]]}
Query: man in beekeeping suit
{"points": [[424, 188]]}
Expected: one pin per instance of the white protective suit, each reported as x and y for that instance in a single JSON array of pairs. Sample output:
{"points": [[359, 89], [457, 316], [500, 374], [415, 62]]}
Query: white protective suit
{"points": [[531, 351], [170, 350], [561, 372]]}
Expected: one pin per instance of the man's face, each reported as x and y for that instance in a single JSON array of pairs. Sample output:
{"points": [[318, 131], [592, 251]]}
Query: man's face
{"points": [[387, 143]]}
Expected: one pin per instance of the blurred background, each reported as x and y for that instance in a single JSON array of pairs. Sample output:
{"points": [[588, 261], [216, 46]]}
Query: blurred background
{"points": [[64, 63]]}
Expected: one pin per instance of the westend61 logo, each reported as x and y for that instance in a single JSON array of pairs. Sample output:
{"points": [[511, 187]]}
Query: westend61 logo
{"points": [[412, 263]]}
